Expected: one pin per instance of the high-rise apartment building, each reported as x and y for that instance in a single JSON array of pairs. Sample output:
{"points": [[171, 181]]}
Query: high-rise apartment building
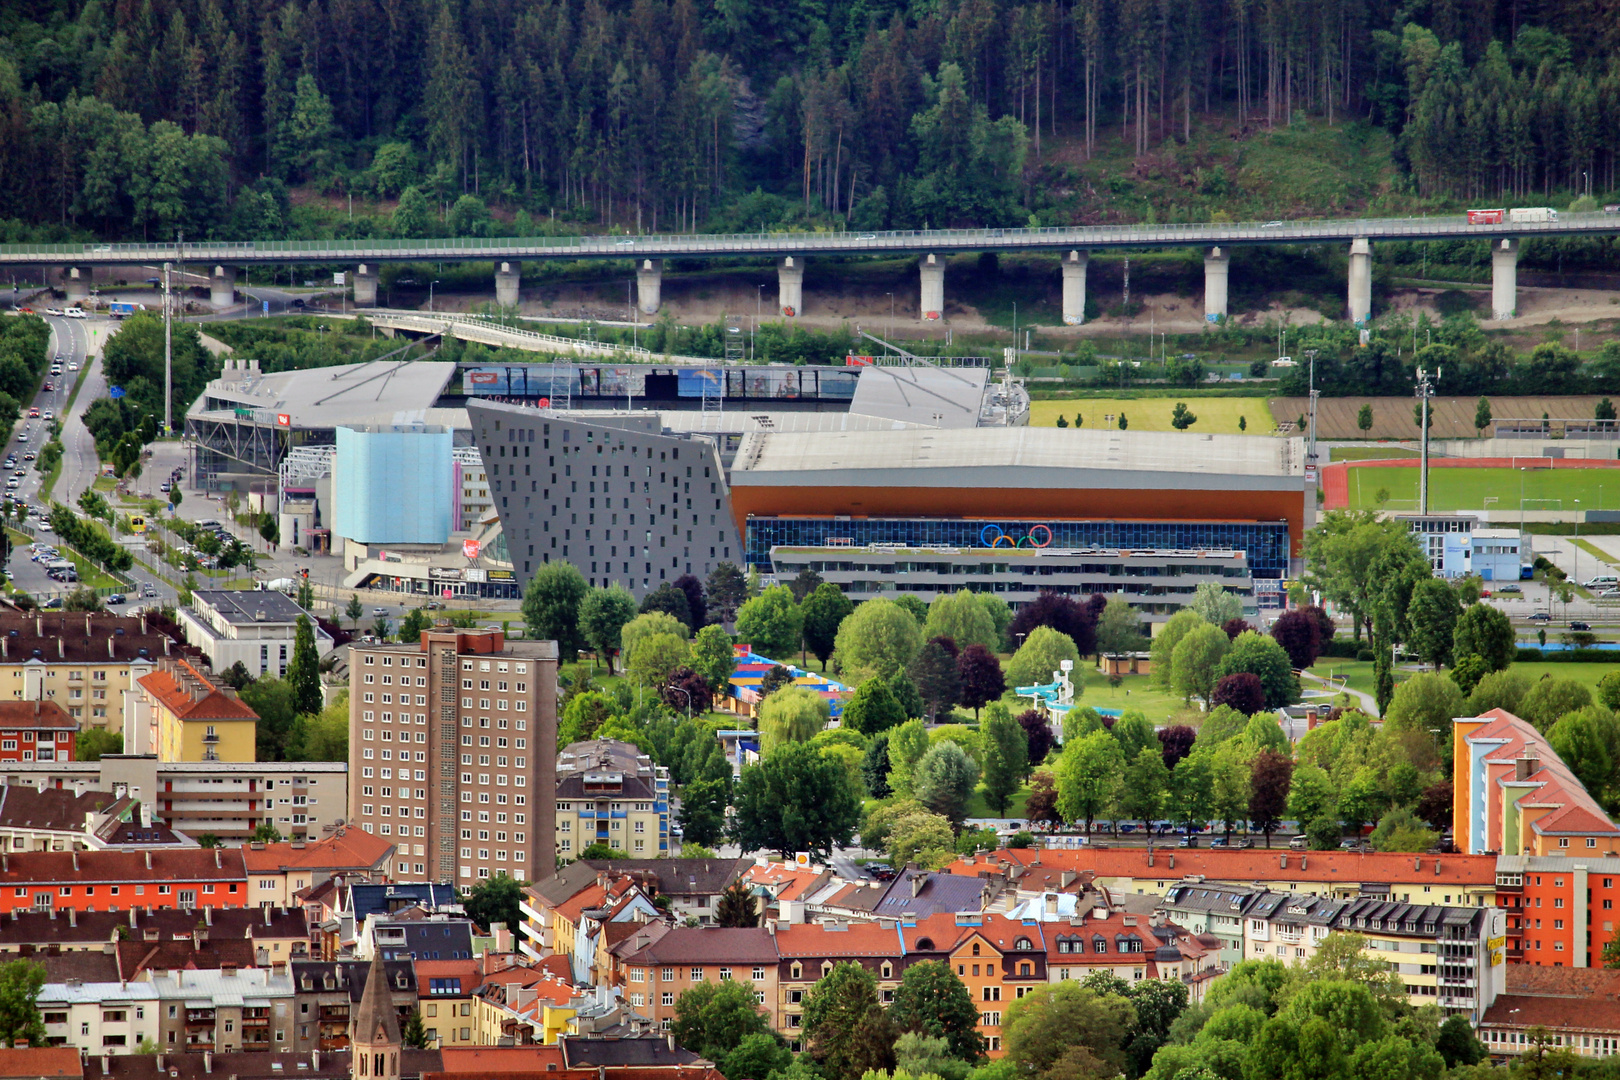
{"points": [[452, 754]]}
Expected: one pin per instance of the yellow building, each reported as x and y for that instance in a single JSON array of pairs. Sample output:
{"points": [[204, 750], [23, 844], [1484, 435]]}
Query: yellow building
{"points": [[527, 1006], [86, 662], [183, 716]]}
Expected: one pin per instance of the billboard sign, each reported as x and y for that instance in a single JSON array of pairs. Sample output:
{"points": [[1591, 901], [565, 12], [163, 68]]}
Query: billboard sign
{"points": [[470, 548]]}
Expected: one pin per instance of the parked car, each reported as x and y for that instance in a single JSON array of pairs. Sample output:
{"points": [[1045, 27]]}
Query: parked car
{"points": [[116, 598], [1189, 841], [1540, 616], [1509, 589], [52, 604]]}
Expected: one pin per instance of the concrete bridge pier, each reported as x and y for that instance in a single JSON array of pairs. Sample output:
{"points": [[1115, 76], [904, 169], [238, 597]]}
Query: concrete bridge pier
{"points": [[649, 285], [790, 286], [1360, 281], [1217, 275], [76, 282], [932, 270], [1074, 287], [222, 286], [508, 279], [365, 285], [1504, 279]]}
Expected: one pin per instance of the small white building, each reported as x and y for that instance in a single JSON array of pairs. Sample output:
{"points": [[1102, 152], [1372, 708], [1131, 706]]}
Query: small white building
{"points": [[255, 628]]}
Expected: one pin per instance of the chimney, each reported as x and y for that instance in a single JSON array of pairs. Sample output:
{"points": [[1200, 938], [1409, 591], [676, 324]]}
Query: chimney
{"points": [[149, 860], [208, 1061], [1067, 877], [73, 916], [315, 1060], [1282, 861], [919, 881], [1527, 762], [160, 1062], [1437, 867], [1302, 862], [75, 861], [1172, 860]]}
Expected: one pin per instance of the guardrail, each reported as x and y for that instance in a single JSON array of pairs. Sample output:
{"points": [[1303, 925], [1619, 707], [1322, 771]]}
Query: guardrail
{"points": [[439, 321], [783, 243]]}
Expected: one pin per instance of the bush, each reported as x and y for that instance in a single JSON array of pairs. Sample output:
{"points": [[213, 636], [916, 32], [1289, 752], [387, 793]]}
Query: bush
{"points": [[1365, 655], [1527, 656]]}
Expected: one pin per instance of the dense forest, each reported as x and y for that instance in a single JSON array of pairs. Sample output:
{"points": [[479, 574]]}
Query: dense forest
{"points": [[141, 118]]}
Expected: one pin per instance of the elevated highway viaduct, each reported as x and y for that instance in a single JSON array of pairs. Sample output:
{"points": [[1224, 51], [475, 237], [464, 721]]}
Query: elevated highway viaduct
{"points": [[1070, 245]]}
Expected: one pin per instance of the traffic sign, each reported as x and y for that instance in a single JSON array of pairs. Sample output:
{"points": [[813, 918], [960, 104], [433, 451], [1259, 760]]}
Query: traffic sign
{"points": [[545, 403], [115, 392]]}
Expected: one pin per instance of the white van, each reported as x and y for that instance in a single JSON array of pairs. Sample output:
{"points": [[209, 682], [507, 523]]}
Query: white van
{"points": [[1602, 581]]}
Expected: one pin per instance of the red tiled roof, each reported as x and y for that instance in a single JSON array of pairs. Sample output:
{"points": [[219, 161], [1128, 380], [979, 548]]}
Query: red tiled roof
{"points": [[708, 945], [211, 703], [785, 882], [33, 1062], [483, 1060], [17, 715], [349, 848], [121, 867], [1256, 864], [1535, 980], [850, 939], [1558, 1013]]}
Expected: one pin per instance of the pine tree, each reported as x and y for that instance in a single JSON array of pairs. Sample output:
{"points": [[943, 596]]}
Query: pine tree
{"points": [[303, 670]]}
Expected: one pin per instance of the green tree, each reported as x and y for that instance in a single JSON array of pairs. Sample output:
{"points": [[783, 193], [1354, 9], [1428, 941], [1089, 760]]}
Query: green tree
{"points": [[1426, 702], [962, 618], [736, 906], [1498, 690], [324, 736], [276, 704], [760, 1054], [551, 607], [1608, 690], [845, 1025], [1588, 740], [824, 609], [1400, 830], [603, 614], [1191, 795], [1143, 789], [1006, 756], [1066, 1029], [878, 639], [933, 672], [1196, 663], [931, 1000], [727, 589], [1088, 775], [1549, 699], [905, 694], [303, 669], [1364, 419], [20, 984], [1313, 795], [795, 799], [413, 216], [1119, 627], [791, 715], [653, 658], [771, 623], [1482, 416], [355, 610], [1182, 418], [920, 836], [266, 833], [1456, 1042], [495, 900], [713, 1018], [1261, 656], [1485, 632], [92, 743], [872, 708], [1041, 654], [907, 744], [1215, 604], [1163, 648], [703, 810], [944, 780], [414, 1033], [713, 657], [1432, 616]]}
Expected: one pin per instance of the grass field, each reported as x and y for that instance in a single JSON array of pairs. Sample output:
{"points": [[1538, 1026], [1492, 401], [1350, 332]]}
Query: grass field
{"points": [[1368, 453], [1215, 415], [1567, 490]]}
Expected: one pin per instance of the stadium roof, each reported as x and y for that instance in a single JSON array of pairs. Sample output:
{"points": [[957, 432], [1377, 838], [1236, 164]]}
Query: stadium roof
{"points": [[378, 392], [923, 394], [954, 455]]}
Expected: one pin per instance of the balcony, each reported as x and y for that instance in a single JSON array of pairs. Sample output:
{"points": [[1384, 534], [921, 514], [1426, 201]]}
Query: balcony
{"points": [[199, 1016]]}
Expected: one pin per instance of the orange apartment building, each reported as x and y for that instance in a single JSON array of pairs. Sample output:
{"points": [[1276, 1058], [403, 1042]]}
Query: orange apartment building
{"points": [[121, 880]]}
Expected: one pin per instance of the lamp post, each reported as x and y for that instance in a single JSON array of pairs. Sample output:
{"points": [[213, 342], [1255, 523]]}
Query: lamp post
{"points": [[432, 283], [759, 312], [687, 695]]}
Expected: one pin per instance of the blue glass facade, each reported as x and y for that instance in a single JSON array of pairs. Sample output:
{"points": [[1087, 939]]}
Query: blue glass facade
{"points": [[1265, 542]]}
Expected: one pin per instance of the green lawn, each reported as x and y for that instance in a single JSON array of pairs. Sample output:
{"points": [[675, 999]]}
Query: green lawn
{"points": [[978, 808], [1568, 490], [1368, 453]]}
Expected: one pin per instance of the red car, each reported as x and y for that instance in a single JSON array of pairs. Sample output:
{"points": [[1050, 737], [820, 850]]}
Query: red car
{"points": [[34, 411]]}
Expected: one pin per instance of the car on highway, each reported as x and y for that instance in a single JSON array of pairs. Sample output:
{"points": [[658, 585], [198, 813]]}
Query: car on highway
{"points": [[48, 388], [147, 589], [29, 456], [1577, 624], [1272, 225], [1609, 594], [33, 412], [116, 598], [49, 414], [22, 436], [73, 365], [75, 313], [379, 611], [53, 311], [164, 486], [1539, 616]]}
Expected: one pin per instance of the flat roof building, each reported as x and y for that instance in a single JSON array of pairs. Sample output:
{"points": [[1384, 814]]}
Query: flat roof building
{"points": [[254, 628]]}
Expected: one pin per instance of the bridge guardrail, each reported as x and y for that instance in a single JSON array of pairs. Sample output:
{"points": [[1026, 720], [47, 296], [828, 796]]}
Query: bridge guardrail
{"points": [[769, 243]]}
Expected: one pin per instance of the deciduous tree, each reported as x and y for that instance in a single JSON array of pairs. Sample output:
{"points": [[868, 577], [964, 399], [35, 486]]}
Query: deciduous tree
{"points": [[794, 799], [1088, 775], [551, 606], [1006, 756], [932, 1000], [823, 611], [878, 639], [1271, 776]]}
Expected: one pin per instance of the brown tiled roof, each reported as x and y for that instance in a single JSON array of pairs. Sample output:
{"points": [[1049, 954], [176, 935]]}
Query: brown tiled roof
{"points": [[678, 878], [121, 867], [348, 848], [1534, 980], [135, 957], [44, 928], [325, 1065], [708, 945], [485, 1060], [20, 715], [24, 806], [31, 1062], [815, 940], [80, 638], [1523, 1011], [84, 965], [642, 1052]]}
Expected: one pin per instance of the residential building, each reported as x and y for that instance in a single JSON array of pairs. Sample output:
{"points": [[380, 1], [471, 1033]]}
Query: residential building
{"points": [[1579, 1009], [563, 916], [1420, 879], [610, 791], [278, 872], [180, 714], [490, 764], [806, 951], [692, 886], [37, 730], [524, 1005], [328, 993], [1447, 956], [258, 1065], [1289, 927], [254, 628], [275, 934], [417, 936], [118, 880], [445, 995], [87, 662], [179, 1008], [1207, 907], [1514, 795], [1560, 909], [102, 1016], [657, 973], [227, 798], [34, 817]]}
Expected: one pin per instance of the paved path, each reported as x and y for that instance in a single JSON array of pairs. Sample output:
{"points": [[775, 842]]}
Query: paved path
{"points": [[1369, 704]]}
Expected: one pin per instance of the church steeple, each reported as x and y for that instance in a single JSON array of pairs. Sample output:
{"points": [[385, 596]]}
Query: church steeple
{"points": [[374, 1032]]}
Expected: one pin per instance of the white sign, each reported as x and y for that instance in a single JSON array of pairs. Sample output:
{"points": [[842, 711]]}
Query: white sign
{"points": [[337, 278]]}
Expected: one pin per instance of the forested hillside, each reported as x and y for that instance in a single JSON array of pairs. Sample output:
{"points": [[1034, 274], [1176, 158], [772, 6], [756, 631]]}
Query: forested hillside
{"points": [[138, 118]]}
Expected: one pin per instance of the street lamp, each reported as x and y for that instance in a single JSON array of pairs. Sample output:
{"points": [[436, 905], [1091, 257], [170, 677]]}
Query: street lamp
{"points": [[684, 694], [432, 283], [759, 312]]}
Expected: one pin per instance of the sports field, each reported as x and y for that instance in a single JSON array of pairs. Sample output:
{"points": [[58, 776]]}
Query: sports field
{"points": [[1567, 490], [1215, 415]]}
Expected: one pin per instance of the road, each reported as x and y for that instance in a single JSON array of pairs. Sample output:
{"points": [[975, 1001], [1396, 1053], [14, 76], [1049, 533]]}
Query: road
{"points": [[903, 242]]}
